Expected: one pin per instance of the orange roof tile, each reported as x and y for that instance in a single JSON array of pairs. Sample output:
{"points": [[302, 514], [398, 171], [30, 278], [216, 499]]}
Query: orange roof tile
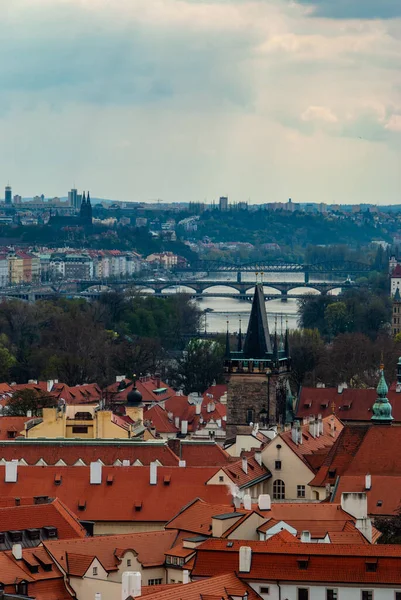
{"points": [[109, 549], [215, 588], [255, 471], [11, 425], [36, 516], [70, 451], [383, 497], [130, 487], [197, 517]]}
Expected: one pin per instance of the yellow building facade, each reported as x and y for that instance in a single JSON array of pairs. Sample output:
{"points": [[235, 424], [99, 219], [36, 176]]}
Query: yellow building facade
{"points": [[84, 422]]}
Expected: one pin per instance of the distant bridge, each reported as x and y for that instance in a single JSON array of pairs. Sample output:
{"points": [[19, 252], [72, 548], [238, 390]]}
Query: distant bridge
{"points": [[336, 267]]}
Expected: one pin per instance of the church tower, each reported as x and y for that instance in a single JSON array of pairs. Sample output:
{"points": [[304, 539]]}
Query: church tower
{"points": [[382, 408], [257, 374]]}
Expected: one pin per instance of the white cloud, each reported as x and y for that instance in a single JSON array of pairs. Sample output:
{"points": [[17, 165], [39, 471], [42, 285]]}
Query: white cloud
{"points": [[183, 99], [319, 113], [394, 123]]}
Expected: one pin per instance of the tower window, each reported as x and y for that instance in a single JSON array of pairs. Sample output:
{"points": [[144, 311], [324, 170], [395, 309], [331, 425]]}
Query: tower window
{"points": [[250, 416]]}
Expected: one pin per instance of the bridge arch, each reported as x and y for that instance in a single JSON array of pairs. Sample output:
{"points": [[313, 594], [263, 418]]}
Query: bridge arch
{"points": [[172, 289], [225, 285], [267, 289], [303, 290]]}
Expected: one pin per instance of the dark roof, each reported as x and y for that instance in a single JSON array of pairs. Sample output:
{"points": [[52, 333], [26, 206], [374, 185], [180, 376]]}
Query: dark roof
{"points": [[257, 341]]}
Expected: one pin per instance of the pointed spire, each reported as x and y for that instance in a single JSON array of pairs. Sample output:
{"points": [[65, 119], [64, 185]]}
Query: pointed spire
{"points": [[257, 341], [382, 407], [88, 200], [287, 343], [228, 350], [239, 337], [83, 198]]}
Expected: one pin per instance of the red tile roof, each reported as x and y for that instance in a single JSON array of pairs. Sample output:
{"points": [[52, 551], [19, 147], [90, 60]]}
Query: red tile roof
{"points": [[196, 453], [11, 425], [277, 559], [130, 488], [52, 514], [197, 517], [217, 391], [222, 587], [254, 471], [384, 496], [397, 271], [211, 410], [349, 406], [313, 450], [157, 417], [89, 451], [109, 549], [147, 386], [43, 585]]}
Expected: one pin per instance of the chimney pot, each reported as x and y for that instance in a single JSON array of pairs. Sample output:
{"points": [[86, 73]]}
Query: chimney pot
{"points": [[306, 536], [245, 465], [247, 502], [245, 559], [131, 585], [153, 473], [185, 576], [17, 551], [95, 473], [182, 463], [184, 427], [264, 502], [11, 471], [368, 481]]}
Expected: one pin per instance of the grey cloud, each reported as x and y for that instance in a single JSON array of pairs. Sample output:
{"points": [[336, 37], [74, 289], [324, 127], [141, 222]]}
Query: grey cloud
{"points": [[354, 9]]}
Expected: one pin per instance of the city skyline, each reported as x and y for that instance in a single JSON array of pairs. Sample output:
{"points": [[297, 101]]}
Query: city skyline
{"points": [[184, 101]]}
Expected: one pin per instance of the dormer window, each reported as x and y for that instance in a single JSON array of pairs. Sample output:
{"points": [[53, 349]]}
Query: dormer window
{"points": [[303, 563]]}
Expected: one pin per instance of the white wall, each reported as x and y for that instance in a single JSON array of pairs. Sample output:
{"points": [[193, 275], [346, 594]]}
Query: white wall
{"points": [[289, 591]]}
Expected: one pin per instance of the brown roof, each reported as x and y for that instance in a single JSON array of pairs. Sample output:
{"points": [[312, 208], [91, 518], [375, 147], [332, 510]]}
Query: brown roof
{"points": [[237, 475], [71, 451], [197, 517], [349, 405], [384, 496], [150, 548]]}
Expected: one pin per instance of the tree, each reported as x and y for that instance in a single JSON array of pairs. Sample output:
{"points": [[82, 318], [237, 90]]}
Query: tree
{"points": [[200, 365], [336, 317], [390, 528], [307, 348], [29, 400]]}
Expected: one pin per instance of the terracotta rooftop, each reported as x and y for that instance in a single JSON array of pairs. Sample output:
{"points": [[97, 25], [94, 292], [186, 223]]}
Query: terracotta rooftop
{"points": [[10, 427], [314, 449], [157, 417], [396, 272], [254, 471], [384, 496], [278, 559], [222, 587], [360, 450], [151, 388], [125, 493], [199, 452], [197, 517], [109, 549], [70, 451], [349, 405], [36, 516], [216, 391]]}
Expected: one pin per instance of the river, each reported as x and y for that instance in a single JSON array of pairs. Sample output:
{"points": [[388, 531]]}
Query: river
{"points": [[217, 311]]}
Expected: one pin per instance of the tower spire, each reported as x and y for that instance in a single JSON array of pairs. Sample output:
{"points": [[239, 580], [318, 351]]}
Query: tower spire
{"points": [[239, 337], [382, 407], [257, 341], [228, 351]]}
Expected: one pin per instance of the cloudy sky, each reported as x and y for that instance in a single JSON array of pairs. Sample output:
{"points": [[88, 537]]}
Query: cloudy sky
{"points": [[191, 99]]}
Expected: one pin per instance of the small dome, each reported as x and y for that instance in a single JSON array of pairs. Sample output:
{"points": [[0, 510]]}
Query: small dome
{"points": [[134, 397]]}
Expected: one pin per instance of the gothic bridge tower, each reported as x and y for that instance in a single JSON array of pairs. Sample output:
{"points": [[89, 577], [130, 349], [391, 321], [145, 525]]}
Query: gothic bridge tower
{"points": [[257, 374]]}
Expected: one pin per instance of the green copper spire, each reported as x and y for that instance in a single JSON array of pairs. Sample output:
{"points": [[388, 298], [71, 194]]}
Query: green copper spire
{"points": [[382, 407]]}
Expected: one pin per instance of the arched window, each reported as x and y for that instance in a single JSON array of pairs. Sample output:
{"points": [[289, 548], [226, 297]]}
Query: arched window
{"points": [[250, 415], [279, 490]]}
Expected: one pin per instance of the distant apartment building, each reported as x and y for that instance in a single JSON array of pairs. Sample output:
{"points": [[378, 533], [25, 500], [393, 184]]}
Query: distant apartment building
{"points": [[141, 222], [223, 203], [4, 276], [163, 259], [78, 266], [23, 267], [8, 196]]}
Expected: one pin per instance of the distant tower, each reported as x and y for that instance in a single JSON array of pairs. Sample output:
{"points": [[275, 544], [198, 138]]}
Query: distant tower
{"points": [[88, 209], [8, 196], [257, 374], [73, 198], [82, 209], [223, 203], [396, 312]]}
